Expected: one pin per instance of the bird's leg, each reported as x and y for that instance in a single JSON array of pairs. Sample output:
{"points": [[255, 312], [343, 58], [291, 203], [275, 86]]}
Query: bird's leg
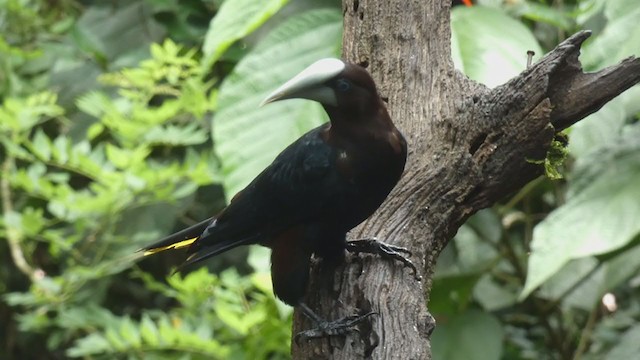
{"points": [[374, 246], [326, 328]]}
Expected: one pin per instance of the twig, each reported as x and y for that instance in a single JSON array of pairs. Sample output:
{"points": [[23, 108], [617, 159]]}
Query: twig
{"points": [[13, 235], [586, 333]]}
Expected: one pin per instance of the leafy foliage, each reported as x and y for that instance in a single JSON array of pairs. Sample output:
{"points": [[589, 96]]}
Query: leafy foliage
{"points": [[28, 27], [112, 164], [70, 197], [235, 20], [219, 317], [601, 210], [547, 261], [112, 135]]}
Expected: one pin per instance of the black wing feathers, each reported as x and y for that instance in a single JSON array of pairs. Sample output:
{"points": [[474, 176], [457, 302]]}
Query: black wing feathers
{"points": [[286, 193]]}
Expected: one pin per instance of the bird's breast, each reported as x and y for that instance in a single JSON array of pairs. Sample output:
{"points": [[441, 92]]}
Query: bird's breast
{"points": [[370, 160], [368, 169]]}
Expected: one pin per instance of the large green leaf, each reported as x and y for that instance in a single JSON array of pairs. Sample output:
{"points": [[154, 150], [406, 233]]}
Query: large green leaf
{"points": [[624, 265], [470, 335], [583, 282], [247, 137], [494, 295], [543, 13], [235, 20], [601, 213], [489, 46], [605, 126], [579, 281], [620, 37]]}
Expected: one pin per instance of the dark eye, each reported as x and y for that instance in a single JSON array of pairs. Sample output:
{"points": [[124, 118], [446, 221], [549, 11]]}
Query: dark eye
{"points": [[343, 85]]}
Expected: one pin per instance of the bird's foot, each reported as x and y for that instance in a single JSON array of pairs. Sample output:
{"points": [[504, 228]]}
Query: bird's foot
{"points": [[374, 246], [332, 328]]}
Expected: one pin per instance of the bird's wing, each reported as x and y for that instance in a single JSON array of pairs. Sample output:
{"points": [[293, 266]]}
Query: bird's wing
{"points": [[296, 188]]}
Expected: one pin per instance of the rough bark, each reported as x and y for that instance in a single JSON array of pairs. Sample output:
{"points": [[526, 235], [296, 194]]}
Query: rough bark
{"points": [[469, 147]]}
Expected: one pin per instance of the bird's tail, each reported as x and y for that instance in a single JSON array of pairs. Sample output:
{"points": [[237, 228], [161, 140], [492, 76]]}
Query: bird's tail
{"points": [[179, 240], [198, 239]]}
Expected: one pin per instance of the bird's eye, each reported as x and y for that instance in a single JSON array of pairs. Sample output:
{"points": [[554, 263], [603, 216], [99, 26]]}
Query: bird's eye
{"points": [[343, 85]]}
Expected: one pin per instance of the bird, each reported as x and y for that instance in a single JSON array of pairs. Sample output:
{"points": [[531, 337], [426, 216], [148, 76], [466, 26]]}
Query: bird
{"points": [[316, 190]]}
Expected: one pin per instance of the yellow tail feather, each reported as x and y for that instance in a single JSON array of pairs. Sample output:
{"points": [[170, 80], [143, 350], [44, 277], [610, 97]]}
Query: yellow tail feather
{"points": [[178, 245]]}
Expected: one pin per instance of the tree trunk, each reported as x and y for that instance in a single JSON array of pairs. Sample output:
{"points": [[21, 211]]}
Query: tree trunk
{"points": [[469, 146]]}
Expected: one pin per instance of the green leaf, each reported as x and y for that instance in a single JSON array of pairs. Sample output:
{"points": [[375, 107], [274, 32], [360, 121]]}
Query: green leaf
{"points": [[129, 331], [493, 295], [547, 14], [118, 343], [247, 138], [190, 134], [32, 221], [452, 294], [600, 215], [41, 145], [229, 315], [235, 19], [628, 347], [22, 114], [473, 251], [607, 159], [619, 39], [489, 46], [121, 158], [582, 277], [605, 126], [61, 148], [622, 266], [588, 282], [471, 335], [89, 345], [588, 10], [168, 334], [149, 331], [486, 224], [94, 130]]}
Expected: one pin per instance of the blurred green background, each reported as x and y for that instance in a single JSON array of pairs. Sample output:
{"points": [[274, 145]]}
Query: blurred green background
{"points": [[122, 121]]}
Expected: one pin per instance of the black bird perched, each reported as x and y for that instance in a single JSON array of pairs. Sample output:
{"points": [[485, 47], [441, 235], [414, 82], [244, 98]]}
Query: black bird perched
{"points": [[320, 187]]}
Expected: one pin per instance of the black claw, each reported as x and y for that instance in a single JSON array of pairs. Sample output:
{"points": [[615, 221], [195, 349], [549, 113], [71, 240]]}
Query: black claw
{"points": [[339, 327], [399, 249], [374, 246]]}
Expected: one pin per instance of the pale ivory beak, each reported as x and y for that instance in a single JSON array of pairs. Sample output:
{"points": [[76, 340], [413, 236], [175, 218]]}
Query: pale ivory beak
{"points": [[310, 83]]}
